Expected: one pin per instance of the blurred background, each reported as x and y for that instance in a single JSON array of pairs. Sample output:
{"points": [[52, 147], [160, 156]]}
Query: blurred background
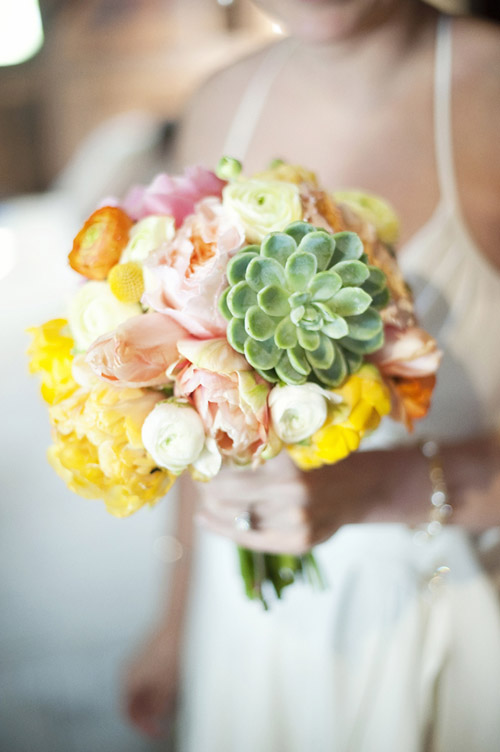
{"points": [[90, 95]]}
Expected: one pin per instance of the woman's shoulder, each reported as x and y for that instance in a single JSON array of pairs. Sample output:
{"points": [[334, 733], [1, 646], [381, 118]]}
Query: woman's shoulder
{"points": [[212, 107], [477, 44], [476, 125]]}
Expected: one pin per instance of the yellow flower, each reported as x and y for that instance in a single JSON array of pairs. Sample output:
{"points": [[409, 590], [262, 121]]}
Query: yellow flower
{"points": [[288, 173], [263, 206], [365, 399], [98, 448], [51, 356], [373, 209]]}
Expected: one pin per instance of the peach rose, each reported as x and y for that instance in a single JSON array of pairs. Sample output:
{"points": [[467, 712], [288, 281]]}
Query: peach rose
{"points": [[138, 352], [185, 277], [231, 399], [409, 353]]}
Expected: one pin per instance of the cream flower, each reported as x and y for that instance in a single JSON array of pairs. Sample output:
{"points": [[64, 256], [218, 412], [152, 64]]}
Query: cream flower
{"points": [[95, 311], [263, 206], [297, 411], [147, 236], [174, 436]]}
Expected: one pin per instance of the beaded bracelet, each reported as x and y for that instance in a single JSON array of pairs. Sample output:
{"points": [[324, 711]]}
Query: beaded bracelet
{"points": [[441, 507]]}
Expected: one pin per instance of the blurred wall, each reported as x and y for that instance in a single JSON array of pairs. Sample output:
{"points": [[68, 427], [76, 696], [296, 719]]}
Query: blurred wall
{"points": [[102, 57]]}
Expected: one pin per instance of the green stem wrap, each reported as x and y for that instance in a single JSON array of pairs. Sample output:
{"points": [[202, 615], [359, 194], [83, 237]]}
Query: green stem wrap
{"points": [[277, 570]]}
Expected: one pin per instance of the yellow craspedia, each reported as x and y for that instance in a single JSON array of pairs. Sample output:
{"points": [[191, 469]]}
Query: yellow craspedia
{"points": [[126, 282], [98, 449], [50, 354], [365, 400]]}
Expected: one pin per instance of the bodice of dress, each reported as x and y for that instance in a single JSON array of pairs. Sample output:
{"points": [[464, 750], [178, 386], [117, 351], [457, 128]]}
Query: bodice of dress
{"points": [[457, 291]]}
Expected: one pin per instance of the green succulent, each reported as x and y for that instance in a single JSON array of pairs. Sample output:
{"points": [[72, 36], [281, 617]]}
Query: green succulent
{"points": [[303, 305]]}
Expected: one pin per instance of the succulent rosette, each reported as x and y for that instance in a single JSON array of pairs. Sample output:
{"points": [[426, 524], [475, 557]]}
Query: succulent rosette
{"points": [[222, 319], [304, 305]]}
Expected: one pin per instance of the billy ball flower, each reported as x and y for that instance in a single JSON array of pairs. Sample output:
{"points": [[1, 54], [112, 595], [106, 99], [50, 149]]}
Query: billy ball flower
{"points": [[302, 306]]}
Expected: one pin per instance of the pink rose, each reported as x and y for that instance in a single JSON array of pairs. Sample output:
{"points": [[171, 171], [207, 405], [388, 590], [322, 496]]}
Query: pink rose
{"points": [[176, 196], [231, 399], [139, 352], [410, 353], [184, 278]]}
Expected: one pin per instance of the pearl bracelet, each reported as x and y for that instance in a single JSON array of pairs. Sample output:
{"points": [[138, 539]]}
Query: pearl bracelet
{"points": [[439, 498]]}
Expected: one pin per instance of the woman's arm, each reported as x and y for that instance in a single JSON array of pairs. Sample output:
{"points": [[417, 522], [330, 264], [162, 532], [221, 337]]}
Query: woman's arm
{"points": [[151, 682]]}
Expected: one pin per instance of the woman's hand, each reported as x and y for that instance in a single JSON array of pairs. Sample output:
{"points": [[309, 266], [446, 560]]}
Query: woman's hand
{"points": [[150, 686], [290, 510]]}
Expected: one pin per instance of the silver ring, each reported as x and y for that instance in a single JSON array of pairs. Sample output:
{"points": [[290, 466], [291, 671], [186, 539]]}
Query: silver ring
{"points": [[246, 521], [243, 522]]}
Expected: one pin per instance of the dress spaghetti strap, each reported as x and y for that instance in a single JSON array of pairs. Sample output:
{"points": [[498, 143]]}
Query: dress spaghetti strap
{"points": [[443, 132], [252, 102]]}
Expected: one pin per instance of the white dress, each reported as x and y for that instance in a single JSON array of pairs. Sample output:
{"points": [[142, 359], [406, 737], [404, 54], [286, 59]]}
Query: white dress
{"points": [[390, 657]]}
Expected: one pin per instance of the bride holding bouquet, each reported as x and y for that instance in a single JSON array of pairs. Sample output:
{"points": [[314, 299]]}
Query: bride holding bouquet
{"points": [[401, 650]]}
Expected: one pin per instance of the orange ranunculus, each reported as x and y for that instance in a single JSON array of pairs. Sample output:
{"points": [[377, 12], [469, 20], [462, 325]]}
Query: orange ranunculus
{"points": [[411, 398], [100, 242]]}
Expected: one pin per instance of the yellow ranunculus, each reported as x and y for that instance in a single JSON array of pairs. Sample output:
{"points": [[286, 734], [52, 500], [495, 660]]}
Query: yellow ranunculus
{"points": [[51, 356], [98, 448], [288, 173], [263, 206], [365, 399], [373, 209]]}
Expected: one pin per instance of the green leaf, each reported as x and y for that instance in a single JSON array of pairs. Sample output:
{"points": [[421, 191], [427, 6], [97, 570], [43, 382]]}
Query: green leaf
{"points": [[262, 272], [297, 299], [300, 269], [262, 355], [376, 282], [324, 285], [274, 301], [324, 354], [297, 313], [336, 328], [278, 246], [350, 301], [269, 375], [223, 306], [285, 335], [366, 325], [352, 272], [348, 245], [297, 230], [382, 299], [240, 298], [236, 335], [309, 340], [363, 347], [312, 319], [237, 267], [297, 358], [287, 372], [354, 361], [336, 373], [321, 245], [258, 324]]}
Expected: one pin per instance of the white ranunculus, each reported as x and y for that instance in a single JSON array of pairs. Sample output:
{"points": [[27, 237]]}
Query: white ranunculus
{"points": [[173, 434], [297, 411], [263, 206], [146, 236], [208, 463], [95, 311]]}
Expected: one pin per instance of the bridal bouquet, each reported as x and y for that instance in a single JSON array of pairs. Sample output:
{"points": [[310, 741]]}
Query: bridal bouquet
{"points": [[223, 319]]}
